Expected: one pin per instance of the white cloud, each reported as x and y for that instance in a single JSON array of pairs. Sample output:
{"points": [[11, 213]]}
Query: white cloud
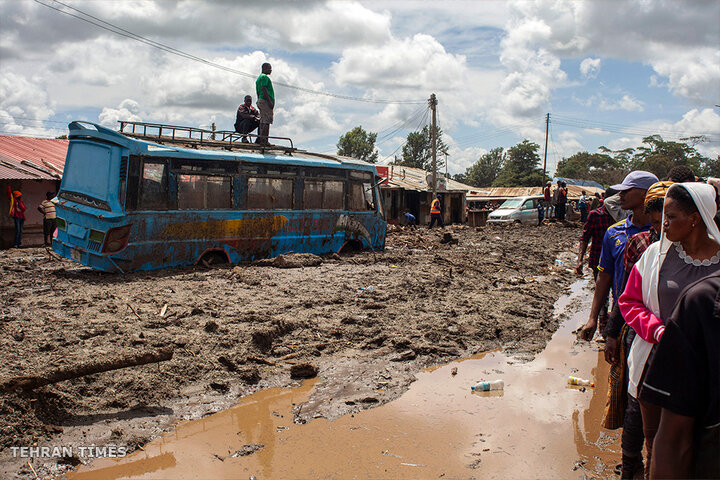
{"points": [[590, 67], [128, 110], [400, 65], [24, 105], [626, 103]]}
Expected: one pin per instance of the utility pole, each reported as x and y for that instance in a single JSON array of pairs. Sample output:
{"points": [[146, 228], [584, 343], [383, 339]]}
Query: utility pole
{"points": [[433, 132], [547, 129]]}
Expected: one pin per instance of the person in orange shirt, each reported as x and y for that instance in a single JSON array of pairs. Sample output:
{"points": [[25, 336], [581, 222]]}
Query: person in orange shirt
{"points": [[436, 213], [17, 212]]}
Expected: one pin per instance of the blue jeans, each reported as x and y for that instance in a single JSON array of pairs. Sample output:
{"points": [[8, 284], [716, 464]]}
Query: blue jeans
{"points": [[18, 230]]}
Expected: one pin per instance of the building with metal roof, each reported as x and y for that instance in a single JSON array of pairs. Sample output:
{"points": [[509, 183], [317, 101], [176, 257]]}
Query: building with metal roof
{"points": [[33, 166], [407, 188]]}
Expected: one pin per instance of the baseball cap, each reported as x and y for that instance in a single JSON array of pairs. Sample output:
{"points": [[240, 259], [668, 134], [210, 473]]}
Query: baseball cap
{"points": [[637, 179]]}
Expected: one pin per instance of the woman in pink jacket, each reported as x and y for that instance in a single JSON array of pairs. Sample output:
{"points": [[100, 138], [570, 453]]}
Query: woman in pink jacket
{"points": [[17, 212], [688, 250]]}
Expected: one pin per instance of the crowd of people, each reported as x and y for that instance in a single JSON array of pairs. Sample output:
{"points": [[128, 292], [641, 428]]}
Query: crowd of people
{"points": [[656, 246]]}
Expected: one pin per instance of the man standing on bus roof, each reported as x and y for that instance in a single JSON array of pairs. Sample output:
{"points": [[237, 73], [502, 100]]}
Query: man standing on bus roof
{"points": [[265, 102], [247, 118]]}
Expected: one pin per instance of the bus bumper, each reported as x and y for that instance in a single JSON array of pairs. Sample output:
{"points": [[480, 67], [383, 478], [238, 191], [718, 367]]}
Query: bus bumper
{"points": [[84, 257]]}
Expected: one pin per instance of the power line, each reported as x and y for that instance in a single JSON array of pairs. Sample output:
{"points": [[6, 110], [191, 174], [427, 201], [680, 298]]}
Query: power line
{"points": [[168, 49], [622, 129]]}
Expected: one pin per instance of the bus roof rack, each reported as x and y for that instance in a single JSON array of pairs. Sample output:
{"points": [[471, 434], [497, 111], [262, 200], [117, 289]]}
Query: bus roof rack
{"points": [[197, 137]]}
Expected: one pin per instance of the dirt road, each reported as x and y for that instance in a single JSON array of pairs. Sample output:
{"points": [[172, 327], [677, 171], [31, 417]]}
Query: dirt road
{"points": [[363, 320]]}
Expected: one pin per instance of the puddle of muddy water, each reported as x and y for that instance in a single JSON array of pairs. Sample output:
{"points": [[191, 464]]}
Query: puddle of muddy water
{"points": [[537, 427]]}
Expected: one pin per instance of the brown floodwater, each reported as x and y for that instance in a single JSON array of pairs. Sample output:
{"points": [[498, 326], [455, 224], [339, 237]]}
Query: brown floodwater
{"points": [[537, 427]]}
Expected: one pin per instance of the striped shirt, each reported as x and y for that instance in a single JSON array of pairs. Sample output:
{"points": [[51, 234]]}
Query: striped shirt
{"points": [[48, 209]]}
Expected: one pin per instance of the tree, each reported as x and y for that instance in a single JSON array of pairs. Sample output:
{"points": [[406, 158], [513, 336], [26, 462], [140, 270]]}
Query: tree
{"points": [[521, 168], [599, 167], [358, 143], [417, 151], [484, 172], [659, 156]]}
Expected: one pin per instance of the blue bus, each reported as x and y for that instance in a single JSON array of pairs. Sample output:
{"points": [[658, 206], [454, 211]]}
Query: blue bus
{"points": [[128, 204]]}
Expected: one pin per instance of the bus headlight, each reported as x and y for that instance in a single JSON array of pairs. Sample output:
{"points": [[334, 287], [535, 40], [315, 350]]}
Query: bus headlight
{"points": [[116, 239]]}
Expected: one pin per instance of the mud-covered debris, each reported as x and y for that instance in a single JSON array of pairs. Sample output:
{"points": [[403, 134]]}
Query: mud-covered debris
{"points": [[291, 260], [246, 276], [449, 239], [227, 363], [303, 370], [211, 327], [404, 356], [18, 335], [248, 449], [250, 375], [453, 372], [219, 386], [73, 461], [369, 400]]}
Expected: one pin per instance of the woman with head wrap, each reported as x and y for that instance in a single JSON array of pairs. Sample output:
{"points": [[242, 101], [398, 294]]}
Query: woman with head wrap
{"points": [[17, 212], [688, 250], [621, 409]]}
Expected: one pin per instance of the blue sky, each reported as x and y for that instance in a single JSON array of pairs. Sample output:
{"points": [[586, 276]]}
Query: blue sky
{"points": [[609, 72]]}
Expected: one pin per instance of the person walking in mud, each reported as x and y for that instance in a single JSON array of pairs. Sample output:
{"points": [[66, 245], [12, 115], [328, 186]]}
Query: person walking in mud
{"points": [[265, 102], [436, 213]]}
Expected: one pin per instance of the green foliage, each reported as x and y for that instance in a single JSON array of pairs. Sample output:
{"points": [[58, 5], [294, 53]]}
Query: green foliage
{"points": [[521, 167], [484, 172], [659, 156], [61, 137], [600, 167], [712, 167], [358, 143], [417, 151]]}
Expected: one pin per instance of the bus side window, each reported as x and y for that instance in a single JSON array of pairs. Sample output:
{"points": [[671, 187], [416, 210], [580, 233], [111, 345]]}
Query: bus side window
{"points": [[334, 195], [361, 197], [133, 183], [204, 192], [313, 194], [154, 187], [265, 193]]}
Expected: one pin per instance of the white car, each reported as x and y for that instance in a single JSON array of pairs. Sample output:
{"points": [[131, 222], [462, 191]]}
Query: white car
{"points": [[517, 210]]}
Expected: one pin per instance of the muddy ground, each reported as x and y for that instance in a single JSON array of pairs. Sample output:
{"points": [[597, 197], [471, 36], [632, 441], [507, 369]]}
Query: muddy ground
{"points": [[368, 322]]}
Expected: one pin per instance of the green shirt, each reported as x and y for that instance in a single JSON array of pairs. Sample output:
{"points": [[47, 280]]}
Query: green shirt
{"points": [[264, 81]]}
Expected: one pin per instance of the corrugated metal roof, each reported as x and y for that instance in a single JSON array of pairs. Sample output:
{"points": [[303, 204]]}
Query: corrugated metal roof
{"points": [[409, 178], [31, 157], [495, 193]]}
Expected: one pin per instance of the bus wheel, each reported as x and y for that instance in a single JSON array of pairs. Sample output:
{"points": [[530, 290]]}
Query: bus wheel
{"points": [[351, 246], [213, 258]]}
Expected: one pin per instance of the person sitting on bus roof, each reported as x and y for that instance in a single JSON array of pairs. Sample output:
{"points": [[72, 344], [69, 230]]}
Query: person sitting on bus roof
{"points": [[247, 118]]}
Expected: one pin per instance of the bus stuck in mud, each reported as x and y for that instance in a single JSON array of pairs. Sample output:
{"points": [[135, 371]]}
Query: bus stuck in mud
{"points": [[128, 204]]}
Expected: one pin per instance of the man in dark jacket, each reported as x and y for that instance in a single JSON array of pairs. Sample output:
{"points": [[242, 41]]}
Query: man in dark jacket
{"points": [[247, 118]]}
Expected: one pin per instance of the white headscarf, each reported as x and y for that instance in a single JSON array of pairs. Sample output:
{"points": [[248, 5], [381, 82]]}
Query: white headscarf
{"points": [[703, 195]]}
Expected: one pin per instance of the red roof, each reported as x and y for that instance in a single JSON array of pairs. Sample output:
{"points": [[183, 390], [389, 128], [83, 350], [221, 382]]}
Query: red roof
{"points": [[31, 157]]}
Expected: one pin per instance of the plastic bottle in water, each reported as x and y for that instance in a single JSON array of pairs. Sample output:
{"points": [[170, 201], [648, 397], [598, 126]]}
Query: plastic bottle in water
{"points": [[484, 386], [579, 381]]}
